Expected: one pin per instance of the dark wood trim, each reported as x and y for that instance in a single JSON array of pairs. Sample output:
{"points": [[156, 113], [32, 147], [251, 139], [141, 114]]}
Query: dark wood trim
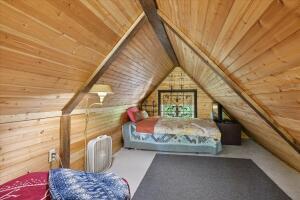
{"points": [[64, 148], [103, 67], [150, 9], [156, 86], [233, 85], [182, 91], [158, 104], [179, 90]]}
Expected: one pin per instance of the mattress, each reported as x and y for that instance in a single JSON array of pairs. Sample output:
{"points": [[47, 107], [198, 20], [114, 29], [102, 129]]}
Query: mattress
{"points": [[164, 137], [169, 142]]}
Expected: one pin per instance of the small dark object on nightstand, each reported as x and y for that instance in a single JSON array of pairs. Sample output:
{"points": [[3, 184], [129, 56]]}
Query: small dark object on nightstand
{"points": [[231, 132]]}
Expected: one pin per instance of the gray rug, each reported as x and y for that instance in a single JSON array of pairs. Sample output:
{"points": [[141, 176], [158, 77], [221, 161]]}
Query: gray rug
{"points": [[180, 177]]}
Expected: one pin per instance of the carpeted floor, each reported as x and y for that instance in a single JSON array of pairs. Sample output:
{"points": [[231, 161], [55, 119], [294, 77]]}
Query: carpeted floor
{"points": [[180, 177]]}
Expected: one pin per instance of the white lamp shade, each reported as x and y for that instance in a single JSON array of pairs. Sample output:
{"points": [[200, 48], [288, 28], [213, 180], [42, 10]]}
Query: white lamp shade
{"points": [[99, 88]]}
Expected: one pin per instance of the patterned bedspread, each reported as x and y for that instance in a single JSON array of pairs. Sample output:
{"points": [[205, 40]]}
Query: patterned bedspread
{"points": [[78, 185], [195, 127], [180, 142]]}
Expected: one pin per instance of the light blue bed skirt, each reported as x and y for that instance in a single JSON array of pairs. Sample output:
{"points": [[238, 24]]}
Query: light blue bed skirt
{"points": [[169, 142]]}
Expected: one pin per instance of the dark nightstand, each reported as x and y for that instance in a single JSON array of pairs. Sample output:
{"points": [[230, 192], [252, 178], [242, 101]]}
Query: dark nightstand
{"points": [[231, 132]]}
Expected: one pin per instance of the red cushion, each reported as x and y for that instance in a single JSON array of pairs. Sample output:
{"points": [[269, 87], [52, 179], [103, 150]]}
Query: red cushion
{"points": [[130, 113], [30, 186]]}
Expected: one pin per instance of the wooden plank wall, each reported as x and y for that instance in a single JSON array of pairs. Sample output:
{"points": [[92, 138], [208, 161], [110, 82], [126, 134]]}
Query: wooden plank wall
{"points": [[255, 42], [43, 62], [24, 146], [136, 70], [131, 75], [221, 92], [204, 106], [105, 120]]}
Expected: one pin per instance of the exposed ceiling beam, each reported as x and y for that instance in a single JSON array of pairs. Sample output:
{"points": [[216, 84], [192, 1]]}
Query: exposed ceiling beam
{"points": [[150, 8], [231, 83], [104, 65]]}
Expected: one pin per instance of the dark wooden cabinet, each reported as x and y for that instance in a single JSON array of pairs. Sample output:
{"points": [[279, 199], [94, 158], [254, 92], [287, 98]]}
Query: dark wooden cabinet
{"points": [[231, 132]]}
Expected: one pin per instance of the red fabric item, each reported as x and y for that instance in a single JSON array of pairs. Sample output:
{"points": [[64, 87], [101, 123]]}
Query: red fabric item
{"points": [[130, 113], [127, 186], [32, 186], [146, 125]]}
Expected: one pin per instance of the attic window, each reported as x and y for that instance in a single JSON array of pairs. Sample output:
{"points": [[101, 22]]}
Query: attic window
{"points": [[177, 103]]}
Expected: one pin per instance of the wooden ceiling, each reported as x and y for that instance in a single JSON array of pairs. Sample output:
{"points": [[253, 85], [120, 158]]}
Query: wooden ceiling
{"points": [[50, 48], [256, 45], [233, 103], [137, 69], [255, 42]]}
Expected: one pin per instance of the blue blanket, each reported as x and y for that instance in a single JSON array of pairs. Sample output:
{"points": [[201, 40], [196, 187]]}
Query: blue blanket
{"points": [[69, 184]]}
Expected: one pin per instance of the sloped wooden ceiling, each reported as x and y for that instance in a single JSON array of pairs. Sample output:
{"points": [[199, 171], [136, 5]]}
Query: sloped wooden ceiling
{"points": [[50, 48], [232, 102], [48, 51], [256, 44], [138, 69]]}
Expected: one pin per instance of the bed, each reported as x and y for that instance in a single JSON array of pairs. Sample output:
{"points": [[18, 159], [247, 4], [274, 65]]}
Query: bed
{"points": [[173, 134]]}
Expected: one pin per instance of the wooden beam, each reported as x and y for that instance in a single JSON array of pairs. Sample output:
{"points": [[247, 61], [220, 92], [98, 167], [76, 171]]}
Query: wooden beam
{"points": [[150, 8], [231, 83], [64, 148], [104, 65]]}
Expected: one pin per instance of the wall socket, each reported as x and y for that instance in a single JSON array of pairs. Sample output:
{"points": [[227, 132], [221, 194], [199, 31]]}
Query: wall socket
{"points": [[51, 155]]}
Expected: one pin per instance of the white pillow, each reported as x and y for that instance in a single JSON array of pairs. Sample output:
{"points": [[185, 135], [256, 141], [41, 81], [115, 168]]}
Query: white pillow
{"points": [[145, 114]]}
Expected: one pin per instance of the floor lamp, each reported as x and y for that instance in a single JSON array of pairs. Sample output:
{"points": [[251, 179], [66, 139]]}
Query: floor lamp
{"points": [[102, 91]]}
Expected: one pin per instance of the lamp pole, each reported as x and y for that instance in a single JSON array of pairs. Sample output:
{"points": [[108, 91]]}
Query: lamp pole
{"points": [[87, 115]]}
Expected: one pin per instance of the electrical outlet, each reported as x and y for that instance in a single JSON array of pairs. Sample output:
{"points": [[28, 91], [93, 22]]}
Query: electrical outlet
{"points": [[51, 155]]}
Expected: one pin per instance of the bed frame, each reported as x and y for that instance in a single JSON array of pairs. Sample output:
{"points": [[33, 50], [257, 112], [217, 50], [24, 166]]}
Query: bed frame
{"points": [[168, 142]]}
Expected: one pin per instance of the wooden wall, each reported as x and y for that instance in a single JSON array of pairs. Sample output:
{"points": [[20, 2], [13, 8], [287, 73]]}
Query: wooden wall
{"points": [[204, 102], [102, 121], [221, 92], [48, 50], [43, 62], [136, 70], [24, 146]]}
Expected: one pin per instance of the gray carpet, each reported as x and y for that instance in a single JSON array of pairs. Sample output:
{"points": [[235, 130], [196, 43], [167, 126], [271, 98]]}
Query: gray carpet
{"points": [[180, 177]]}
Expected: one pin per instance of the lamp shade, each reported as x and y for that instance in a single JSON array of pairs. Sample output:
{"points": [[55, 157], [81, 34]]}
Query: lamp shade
{"points": [[101, 88]]}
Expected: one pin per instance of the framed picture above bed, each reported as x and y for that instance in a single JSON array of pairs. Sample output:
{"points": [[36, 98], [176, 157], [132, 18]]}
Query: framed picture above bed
{"points": [[177, 103]]}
